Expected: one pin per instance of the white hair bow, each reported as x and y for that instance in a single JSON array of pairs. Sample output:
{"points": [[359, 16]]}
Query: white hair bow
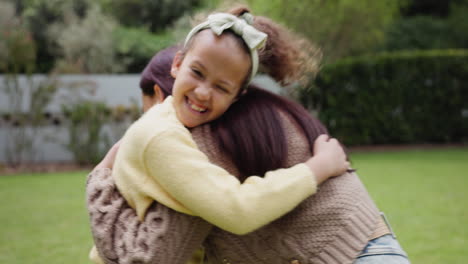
{"points": [[253, 38]]}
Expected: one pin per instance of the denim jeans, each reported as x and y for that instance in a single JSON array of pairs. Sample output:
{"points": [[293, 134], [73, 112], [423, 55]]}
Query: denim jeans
{"points": [[382, 250]]}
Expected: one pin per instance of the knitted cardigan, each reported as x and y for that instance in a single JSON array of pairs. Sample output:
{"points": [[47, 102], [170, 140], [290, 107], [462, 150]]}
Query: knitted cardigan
{"points": [[332, 226]]}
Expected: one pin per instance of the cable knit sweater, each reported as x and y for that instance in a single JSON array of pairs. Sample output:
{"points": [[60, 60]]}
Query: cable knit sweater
{"points": [[332, 226]]}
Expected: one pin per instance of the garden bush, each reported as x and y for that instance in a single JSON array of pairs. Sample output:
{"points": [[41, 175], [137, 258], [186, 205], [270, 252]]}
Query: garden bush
{"points": [[394, 98], [136, 46], [86, 140]]}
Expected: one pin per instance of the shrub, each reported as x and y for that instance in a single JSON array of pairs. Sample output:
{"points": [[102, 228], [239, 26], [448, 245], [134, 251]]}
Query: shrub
{"points": [[87, 142], [18, 55], [85, 45], [391, 98], [426, 31], [341, 28], [40, 16], [418, 33], [136, 46], [152, 14]]}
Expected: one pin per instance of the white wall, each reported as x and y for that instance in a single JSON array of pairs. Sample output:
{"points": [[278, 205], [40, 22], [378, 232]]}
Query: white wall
{"points": [[113, 90]]}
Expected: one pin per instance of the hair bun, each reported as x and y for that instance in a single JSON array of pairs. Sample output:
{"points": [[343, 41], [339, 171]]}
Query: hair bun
{"points": [[239, 11]]}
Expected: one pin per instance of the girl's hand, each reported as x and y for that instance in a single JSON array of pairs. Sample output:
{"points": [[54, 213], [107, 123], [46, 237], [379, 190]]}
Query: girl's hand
{"points": [[329, 159], [108, 160]]}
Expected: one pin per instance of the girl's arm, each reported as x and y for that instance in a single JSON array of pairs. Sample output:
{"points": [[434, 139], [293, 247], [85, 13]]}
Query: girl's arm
{"points": [[164, 236], [213, 194]]}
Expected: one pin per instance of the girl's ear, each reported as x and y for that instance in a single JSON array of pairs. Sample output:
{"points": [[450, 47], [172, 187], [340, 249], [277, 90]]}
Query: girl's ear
{"points": [[176, 62], [158, 94]]}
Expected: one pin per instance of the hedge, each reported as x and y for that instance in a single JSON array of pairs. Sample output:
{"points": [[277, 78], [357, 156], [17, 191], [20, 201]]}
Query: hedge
{"points": [[394, 98]]}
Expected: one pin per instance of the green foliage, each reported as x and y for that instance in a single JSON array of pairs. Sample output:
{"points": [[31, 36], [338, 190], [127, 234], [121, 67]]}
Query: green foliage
{"points": [[136, 46], [17, 48], [152, 14], [458, 22], [72, 36], [76, 36], [18, 55], [406, 97], [419, 32], [340, 27], [87, 142], [428, 32], [85, 45], [429, 7], [40, 15]]}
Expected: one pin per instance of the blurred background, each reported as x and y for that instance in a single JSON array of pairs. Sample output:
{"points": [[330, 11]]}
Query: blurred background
{"points": [[391, 71], [392, 86]]}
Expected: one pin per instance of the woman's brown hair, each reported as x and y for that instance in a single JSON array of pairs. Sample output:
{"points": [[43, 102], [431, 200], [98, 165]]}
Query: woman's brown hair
{"points": [[251, 131]]}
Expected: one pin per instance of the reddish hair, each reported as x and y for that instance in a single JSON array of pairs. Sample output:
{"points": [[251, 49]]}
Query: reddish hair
{"points": [[287, 57], [251, 131]]}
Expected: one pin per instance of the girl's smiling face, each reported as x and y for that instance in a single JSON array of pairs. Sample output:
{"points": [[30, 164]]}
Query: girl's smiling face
{"points": [[208, 78]]}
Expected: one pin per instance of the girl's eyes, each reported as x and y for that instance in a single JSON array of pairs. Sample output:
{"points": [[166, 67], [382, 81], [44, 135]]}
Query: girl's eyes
{"points": [[197, 73], [222, 89]]}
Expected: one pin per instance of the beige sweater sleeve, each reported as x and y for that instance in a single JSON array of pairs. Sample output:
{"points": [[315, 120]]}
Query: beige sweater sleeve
{"points": [[213, 194], [164, 236]]}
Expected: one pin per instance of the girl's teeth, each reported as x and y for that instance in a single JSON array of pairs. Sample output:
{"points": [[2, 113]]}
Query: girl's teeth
{"points": [[196, 108]]}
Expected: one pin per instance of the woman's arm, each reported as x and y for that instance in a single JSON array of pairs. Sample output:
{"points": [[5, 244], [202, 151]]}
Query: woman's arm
{"points": [[164, 236], [213, 194]]}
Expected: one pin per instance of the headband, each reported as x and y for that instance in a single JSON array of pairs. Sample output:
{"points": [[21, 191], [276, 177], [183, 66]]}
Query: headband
{"points": [[241, 26]]}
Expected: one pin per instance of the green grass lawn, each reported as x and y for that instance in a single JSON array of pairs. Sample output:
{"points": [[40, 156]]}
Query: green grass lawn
{"points": [[43, 217], [424, 195]]}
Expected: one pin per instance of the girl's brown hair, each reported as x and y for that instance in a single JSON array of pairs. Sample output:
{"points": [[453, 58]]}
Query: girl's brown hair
{"points": [[286, 57]]}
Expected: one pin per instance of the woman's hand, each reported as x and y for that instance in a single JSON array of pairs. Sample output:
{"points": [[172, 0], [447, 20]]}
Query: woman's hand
{"points": [[108, 160], [329, 159]]}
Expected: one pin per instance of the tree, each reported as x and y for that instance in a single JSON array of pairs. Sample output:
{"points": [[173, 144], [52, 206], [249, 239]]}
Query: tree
{"points": [[340, 27], [426, 28], [85, 45], [17, 48], [39, 15], [27, 101], [152, 14], [429, 7]]}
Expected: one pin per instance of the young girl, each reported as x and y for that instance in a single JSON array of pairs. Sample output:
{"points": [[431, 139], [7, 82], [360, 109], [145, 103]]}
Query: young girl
{"points": [[158, 160]]}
